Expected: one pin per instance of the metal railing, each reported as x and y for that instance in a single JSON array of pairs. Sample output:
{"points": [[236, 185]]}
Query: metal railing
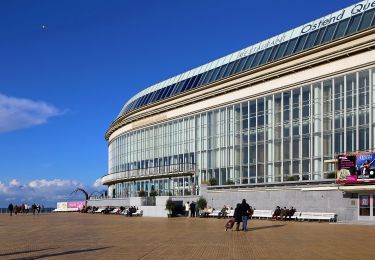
{"points": [[166, 171], [30, 212]]}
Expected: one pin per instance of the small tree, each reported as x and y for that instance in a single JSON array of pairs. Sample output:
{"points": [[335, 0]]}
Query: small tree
{"points": [[169, 205], [212, 182], [153, 193], [141, 193], [201, 203], [229, 182]]}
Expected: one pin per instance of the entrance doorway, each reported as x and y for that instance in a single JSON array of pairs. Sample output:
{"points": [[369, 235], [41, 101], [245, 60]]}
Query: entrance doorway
{"points": [[366, 210]]}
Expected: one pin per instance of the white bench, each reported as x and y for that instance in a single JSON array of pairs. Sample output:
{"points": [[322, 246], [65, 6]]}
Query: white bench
{"points": [[317, 216], [99, 210], [261, 213], [138, 213], [115, 211], [230, 213], [296, 215], [214, 214], [66, 210]]}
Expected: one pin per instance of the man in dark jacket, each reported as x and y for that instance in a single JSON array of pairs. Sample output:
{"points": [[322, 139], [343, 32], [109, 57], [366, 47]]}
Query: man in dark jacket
{"points": [[245, 211], [10, 208], [237, 216], [192, 209]]}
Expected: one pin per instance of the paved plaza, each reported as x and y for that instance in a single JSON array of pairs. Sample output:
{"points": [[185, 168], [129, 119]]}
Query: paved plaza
{"points": [[87, 236]]}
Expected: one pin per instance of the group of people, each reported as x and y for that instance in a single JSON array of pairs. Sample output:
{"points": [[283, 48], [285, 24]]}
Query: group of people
{"points": [[242, 213], [25, 209], [283, 213], [192, 208]]}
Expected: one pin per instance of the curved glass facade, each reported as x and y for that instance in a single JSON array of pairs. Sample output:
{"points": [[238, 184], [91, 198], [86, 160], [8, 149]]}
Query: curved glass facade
{"points": [[281, 137], [333, 29]]}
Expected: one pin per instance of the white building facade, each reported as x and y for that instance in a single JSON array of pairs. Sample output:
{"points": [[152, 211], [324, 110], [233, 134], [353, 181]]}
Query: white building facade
{"points": [[271, 114]]}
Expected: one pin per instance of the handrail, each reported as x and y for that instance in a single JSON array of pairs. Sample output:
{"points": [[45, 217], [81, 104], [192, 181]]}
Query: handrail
{"points": [[166, 171]]}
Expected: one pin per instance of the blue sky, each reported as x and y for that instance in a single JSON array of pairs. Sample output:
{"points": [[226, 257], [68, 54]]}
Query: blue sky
{"points": [[67, 68]]}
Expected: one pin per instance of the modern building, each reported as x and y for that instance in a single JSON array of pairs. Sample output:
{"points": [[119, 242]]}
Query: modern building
{"points": [[262, 123]]}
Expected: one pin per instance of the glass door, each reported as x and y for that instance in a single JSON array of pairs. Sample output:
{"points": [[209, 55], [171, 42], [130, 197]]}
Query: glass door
{"points": [[366, 207]]}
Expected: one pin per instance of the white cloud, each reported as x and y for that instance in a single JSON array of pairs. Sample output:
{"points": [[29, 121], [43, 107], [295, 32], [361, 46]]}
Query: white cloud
{"points": [[17, 113], [14, 183], [98, 183], [3, 188], [47, 192]]}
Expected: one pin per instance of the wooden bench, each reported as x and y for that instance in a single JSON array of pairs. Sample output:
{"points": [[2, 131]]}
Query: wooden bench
{"points": [[260, 213], [331, 217]]}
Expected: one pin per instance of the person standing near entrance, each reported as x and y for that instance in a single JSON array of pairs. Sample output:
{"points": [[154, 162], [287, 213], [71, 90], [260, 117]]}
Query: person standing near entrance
{"points": [[245, 211], [10, 208], [187, 208], [192, 209]]}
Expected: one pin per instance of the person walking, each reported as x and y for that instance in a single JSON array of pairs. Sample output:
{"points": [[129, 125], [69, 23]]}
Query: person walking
{"points": [[10, 209], [237, 216], [245, 211], [192, 209]]}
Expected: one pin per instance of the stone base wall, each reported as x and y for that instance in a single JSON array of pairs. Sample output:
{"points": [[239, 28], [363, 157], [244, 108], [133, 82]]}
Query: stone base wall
{"points": [[334, 201]]}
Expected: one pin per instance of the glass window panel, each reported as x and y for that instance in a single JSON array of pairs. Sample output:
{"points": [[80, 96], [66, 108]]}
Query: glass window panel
{"points": [[353, 24], [340, 30], [214, 75], [320, 36], [147, 99], [286, 105], [202, 78], [177, 88], [329, 32], [266, 56], [366, 19], [273, 53], [248, 63], [222, 70], [208, 76], [190, 83], [281, 50], [196, 81], [240, 65], [291, 46], [229, 68], [257, 59], [311, 39], [301, 43]]}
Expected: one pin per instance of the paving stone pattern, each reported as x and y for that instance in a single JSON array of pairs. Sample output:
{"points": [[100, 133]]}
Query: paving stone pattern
{"points": [[87, 236]]}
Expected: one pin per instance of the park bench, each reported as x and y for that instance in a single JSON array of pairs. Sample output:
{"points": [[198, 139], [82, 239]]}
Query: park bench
{"points": [[317, 216], [296, 215], [261, 213], [99, 210], [115, 211], [138, 213], [230, 213], [214, 214], [66, 210]]}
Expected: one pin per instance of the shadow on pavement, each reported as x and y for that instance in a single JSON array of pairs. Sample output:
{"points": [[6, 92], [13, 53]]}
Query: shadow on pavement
{"points": [[25, 251], [264, 227], [63, 253]]}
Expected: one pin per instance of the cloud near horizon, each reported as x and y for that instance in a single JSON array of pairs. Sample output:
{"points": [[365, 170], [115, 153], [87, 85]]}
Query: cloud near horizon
{"points": [[18, 113], [42, 191]]}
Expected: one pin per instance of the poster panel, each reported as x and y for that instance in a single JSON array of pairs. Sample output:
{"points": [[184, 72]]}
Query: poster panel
{"points": [[366, 166], [356, 168], [76, 204], [62, 205]]}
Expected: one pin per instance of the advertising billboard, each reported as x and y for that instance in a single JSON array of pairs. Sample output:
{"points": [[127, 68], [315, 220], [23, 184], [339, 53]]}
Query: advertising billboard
{"points": [[76, 205], [356, 168]]}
